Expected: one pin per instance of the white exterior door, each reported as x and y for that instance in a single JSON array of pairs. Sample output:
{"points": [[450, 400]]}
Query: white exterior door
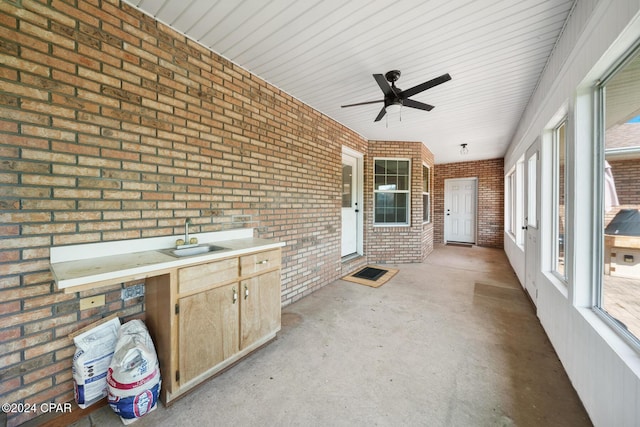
{"points": [[460, 210], [531, 221], [351, 201]]}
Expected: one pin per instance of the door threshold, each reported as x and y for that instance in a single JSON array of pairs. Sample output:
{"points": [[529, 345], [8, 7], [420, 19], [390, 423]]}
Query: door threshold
{"points": [[350, 257], [462, 244]]}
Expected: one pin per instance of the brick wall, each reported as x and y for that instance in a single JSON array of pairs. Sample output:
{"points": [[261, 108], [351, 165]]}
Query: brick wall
{"points": [[626, 172], [490, 209], [113, 126], [398, 244]]}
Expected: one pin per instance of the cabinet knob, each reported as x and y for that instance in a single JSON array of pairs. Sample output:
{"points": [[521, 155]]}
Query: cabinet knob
{"points": [[264, 261], [235, 295], [246, 292]]}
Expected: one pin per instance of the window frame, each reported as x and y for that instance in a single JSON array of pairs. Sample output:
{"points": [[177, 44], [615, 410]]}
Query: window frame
{"points": [[514, 203], [519, 202], [555, 231], [426, 192], [510, 202], [599, 208], [532, 190], [407, 192]]}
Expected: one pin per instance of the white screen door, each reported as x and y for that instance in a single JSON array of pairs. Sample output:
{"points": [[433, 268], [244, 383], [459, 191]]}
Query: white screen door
{"points": [[460, 210]]}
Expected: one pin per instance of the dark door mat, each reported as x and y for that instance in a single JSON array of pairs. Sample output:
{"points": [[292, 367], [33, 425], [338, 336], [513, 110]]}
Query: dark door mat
{"points": [[370, 273], [373, 276]]}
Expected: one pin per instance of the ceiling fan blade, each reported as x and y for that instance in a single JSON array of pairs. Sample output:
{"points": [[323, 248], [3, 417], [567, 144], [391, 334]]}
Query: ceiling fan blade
{"points": [[424, 86], [415, 104], [384, 84], [381, 114], [362, 103]]}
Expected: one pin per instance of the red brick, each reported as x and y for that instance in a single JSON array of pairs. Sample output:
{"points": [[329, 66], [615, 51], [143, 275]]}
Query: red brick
{"points": [[9, 385], [75, 239], [8, 334], [49, 36], [9, 359], [28, 316], [25, 342], [47, 348], [9, 307], [28, 390], [39, 277], [49, 323]]}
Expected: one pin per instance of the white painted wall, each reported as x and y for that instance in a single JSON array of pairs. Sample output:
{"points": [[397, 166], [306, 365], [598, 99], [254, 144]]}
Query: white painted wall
{"points": [[515, 255], [603, 368]]}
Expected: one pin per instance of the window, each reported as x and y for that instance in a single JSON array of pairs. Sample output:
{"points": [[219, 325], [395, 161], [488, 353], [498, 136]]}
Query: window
{"points": [[426, 191], [347, 184], [510, 202], [618, 279], [559, 197], [519, 202], [514, 202], [391, 191], [532, 185]]}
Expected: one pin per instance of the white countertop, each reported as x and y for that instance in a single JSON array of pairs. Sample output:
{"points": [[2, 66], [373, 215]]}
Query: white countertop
{"points": [[97, 262]]}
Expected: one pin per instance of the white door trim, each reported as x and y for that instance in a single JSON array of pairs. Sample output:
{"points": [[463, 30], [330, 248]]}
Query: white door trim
{"points": [[359, 196], [447, 201], [532, 221]]}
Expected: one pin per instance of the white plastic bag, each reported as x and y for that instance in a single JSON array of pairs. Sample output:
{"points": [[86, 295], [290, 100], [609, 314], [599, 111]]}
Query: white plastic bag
{"points": [[133, 377], [94, 349]]}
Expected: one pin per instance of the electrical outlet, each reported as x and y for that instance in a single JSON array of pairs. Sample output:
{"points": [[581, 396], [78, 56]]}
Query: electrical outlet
{"points": [[131, 292]]}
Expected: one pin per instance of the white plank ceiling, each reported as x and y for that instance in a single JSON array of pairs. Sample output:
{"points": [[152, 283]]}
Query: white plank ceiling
{"points": [[324, 52]]}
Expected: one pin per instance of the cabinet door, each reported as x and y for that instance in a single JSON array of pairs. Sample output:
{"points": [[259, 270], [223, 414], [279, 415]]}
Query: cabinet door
{"points": [[260, 307], [208, 329]]}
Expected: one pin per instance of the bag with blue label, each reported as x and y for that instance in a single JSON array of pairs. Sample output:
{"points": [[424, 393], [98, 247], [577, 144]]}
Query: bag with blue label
{"points": [[133, 377], [95, 345]]}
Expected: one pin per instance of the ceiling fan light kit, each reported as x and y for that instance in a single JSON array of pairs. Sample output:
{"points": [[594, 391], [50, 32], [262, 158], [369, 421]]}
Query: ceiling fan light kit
{"points": [[393, 108], [395, 98]]}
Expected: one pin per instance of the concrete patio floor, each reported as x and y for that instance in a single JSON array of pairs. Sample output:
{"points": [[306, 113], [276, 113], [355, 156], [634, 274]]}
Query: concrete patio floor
{"points": [[452, 341]]}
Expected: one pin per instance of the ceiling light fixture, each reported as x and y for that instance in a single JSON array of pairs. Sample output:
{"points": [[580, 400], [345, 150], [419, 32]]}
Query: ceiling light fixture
{"points": [[393, 108], [463, 149]]}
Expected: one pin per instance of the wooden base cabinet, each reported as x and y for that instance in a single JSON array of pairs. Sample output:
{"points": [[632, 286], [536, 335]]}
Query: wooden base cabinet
{"points": [[213, 315], [260, 307], [208, 330]]}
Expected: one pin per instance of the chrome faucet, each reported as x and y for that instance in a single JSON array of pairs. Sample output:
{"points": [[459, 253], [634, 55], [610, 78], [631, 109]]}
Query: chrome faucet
{"points": [[187, 222], [187, 240]]}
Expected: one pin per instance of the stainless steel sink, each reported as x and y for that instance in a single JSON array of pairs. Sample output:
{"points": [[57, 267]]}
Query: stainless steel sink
{"points": [[195, 250]]}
